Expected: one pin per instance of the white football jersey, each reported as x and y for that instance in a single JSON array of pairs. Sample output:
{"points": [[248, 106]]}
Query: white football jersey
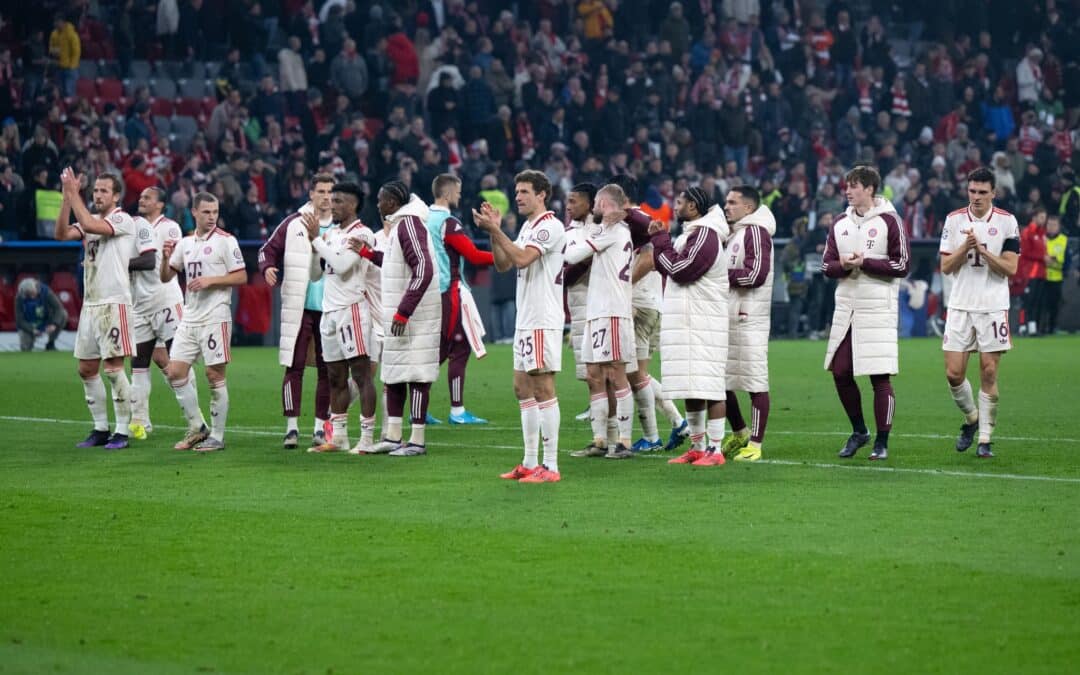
{"points": [[610, 290], [976, 287], [577, 294], [345, 282], [649, 289], [539, 286], [148, 293], [373, 279], [214, 255], [105, 266]]}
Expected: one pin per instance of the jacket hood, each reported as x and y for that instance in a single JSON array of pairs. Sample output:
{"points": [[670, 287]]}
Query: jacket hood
{"points": [[714, 219], [763, 217], [415, 207], [881, 205]]}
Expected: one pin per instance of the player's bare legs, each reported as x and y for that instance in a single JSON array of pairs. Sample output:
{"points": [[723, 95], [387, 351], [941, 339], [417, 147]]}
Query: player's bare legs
{"points": [[178, 373], [94, 389], [337, 373], [960, 388]]}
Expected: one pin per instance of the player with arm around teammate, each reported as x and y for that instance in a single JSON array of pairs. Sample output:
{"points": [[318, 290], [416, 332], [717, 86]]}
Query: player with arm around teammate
{"points": [[211, 261], [346, 319], [980, 250], [111, 240]]}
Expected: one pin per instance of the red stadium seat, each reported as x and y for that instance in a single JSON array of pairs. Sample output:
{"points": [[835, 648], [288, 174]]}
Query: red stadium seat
{"points": [[7, 305], [161, 106], [110, 89], [189, 107], [66, 287], [86, 88]]}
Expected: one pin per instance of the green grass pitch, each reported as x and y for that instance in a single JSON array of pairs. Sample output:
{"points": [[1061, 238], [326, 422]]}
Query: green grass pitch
{"points": [[258, 560]]}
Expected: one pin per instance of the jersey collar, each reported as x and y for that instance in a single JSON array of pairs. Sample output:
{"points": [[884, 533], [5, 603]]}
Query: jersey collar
{"points": [[208, 234], [984, 219]]}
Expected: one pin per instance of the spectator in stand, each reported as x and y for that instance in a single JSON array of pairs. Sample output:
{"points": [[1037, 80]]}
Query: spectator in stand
{"points": [[65, 48], [1056, 245], [1029, 76], [1032, 268], [38, 312], [349, 72]]}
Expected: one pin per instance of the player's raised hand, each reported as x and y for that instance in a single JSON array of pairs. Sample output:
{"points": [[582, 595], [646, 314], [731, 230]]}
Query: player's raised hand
{"points": [[69, 181], [971, 242], [656, 226], [488, 217], [271, 276], [167, 248], [311, 224]]}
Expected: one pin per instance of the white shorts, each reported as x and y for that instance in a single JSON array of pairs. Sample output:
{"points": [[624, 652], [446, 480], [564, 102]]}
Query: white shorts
{"points": [[982, 332], [104, 332], [375, 348], [346, 333], [211, 341], [646, 333], [160, 324], [538, 350], [608, 340]]}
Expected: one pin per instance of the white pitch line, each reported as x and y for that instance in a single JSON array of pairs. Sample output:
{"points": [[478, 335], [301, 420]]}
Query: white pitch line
{"points": [[774, 462]]}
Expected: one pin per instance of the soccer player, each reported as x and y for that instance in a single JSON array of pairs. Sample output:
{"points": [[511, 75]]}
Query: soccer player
{"points": [[287, 257], [462, 327], [609, 328], [346, 319], [537, 255], [579, 207], [412, 312], [694, 325], [867, 251], [111, 240], [157, 311], [648, 291], [211, 262], [980, 249], [750, 275]]}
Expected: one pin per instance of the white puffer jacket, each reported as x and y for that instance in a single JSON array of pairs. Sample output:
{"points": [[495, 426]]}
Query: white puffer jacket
{"points": [[413, 356], [299, 267], [867, 304], [576, 296], [749, 308], [694, 326]]}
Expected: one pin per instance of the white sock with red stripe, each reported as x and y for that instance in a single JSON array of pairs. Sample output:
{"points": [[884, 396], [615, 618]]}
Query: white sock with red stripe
{"points": [[696, 421], [94, 389], [549, 432], [598, 416], [140, 395], [624, 415], [121, 396], [340, 424], [646, 409], [670, 410], [715, 432], [219, 409], [187, 395], [530, 432]]}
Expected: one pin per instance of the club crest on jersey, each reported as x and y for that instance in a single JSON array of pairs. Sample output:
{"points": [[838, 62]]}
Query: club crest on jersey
{"points": [[872, 232], [543, 235], [992, 231], [207, 250], [144, 232], [236, 254]]}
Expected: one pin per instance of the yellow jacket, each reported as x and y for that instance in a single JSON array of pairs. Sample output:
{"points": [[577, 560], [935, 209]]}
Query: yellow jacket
{"points": [[65, 46], [1055, 248]]}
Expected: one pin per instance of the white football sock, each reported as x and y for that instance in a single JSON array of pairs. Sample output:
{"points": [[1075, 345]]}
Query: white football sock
{"points": [[341, 429], [187, 395], [94, 389], [549, 432], [219, 410], [292, 424], [988, 406], [392, 429], [965, 401], [696, 422], [416, 434], [530, 432], [320, 425], [715, 432], [668, 408], [645, 401], [598, 416], [140, 395], [457, 410], [367, 429], [624, 415], [121, 395]]}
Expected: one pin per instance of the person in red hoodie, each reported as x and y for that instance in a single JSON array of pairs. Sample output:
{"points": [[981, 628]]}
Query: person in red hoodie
{"points": [[1032, 267], [402, 52], [138, 175]]}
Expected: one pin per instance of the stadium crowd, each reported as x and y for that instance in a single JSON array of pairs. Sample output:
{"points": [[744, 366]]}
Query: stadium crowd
{"points": [[248, 99]]}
